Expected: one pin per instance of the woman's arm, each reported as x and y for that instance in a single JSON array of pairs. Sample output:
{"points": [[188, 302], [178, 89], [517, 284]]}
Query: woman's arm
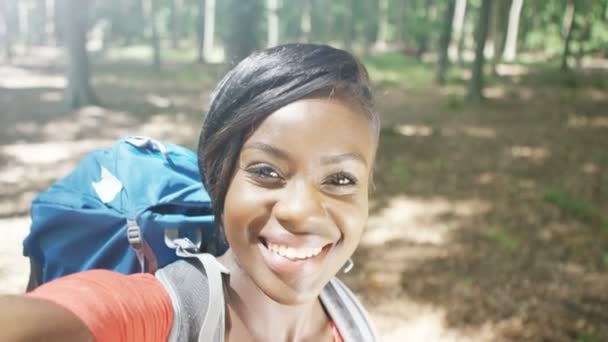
{"points": [[102, 305], [32, 319]]}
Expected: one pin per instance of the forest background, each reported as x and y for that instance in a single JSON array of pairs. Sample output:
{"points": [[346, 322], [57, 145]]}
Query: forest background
{"points": [[489, 219]]}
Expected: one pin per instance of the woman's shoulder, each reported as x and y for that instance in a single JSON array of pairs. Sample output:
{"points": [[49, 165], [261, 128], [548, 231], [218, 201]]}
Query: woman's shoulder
{"points": [[130, 304]]}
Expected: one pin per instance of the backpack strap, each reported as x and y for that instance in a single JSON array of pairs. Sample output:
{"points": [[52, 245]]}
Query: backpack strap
{"points": [[214, 322], [348, 314], [198, 315]]}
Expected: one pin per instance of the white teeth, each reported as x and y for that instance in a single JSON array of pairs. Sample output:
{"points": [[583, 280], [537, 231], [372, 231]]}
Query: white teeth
{"points": [[294, 253]]}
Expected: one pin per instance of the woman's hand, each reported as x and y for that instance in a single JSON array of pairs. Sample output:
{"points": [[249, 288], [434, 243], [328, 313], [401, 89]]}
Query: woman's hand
{"points": [[31, 319]]}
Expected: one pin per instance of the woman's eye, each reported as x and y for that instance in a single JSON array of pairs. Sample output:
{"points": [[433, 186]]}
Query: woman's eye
{"points": [[263, 172], [342, 179]]}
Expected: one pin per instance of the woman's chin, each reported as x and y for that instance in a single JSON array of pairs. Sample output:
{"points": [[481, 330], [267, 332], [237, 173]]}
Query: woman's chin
{"points": [[290, 296]]}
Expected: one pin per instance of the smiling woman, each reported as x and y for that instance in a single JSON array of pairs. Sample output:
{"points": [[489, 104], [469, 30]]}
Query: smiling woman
{"points": [[286, 152], [295, 209]]}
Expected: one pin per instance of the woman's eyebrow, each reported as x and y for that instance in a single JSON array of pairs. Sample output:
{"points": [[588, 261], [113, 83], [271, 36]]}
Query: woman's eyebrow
{"points": [[338, 158], [277, 152], [282, 154]]}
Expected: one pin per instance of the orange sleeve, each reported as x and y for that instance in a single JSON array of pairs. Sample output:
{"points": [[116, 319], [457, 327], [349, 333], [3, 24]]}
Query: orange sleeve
{"points": [[115, 307]]}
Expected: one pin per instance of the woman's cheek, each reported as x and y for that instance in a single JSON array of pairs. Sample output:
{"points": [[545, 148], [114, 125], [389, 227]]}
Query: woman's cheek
{"points": [[246, 209], [351, 218]]}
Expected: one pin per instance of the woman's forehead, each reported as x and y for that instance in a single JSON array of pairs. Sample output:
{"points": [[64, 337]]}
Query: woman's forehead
{"points": [[316, 125]]}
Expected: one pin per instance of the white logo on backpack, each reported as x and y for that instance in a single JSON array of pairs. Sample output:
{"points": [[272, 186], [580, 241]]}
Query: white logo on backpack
{"points": [[108, 187]]}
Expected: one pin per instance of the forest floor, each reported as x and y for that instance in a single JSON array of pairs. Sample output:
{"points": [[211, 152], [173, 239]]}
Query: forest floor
{"points": [[489, 222]]}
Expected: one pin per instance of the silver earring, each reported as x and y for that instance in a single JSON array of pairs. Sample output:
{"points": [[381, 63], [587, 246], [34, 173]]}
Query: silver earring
{"points": [[348, 266]]}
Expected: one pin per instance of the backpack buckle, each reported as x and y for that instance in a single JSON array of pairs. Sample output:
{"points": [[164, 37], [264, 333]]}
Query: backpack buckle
{"points": [[142, 250], [184, 247], [134, 234]]}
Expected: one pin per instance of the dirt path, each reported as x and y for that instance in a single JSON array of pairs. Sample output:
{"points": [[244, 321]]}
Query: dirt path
{"points": [[13, 266], [477, 231]]}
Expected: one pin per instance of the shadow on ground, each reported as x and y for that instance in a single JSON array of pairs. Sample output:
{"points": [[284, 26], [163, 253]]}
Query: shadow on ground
{"points": [[486, 220], [465, 225]]}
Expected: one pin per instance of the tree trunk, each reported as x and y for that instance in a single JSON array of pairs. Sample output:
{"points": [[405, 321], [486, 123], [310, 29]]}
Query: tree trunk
{"points": [[321, 21], [567, 33], [499, 30], [462, 40], [457, 29], [200, 30], [209, 28], [423, 38], [242, 32], [475, 91], [305, 22], [348, 26], [401, 15], [512, 29], [24, 27], [7, 22], [273, 22], [381, 38], [371, 25], [151, 12], [444, 42], [38, 12], [173, 20], [206, 29], [49, 21], [59, 21], [78, 92]]}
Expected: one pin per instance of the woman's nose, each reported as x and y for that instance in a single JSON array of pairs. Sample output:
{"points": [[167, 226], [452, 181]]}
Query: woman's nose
{"points": [[300, 207]]}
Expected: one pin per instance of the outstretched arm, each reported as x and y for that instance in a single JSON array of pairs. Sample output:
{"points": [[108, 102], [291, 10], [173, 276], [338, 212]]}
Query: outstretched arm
{"points": [[97, 305], [33, 319]]}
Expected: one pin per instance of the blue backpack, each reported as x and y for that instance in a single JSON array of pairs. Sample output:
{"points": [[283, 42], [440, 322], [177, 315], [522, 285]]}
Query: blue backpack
{"points": [[122, 209]]}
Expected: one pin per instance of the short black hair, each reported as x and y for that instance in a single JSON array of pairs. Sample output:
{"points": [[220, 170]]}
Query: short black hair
{"points": [[261, 84]]}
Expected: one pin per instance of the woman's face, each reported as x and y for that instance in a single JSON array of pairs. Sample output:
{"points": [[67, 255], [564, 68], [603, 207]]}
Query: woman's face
{"points": [[297, 205]]}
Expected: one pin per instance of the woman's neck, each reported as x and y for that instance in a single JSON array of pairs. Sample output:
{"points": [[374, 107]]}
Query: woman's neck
{"points": [[253, 314]]}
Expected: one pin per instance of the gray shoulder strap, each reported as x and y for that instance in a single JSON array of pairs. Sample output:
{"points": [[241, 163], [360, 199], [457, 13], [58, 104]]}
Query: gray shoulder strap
{"points": [[195, 288], [347, 313], [213, 323], [190, 285]]}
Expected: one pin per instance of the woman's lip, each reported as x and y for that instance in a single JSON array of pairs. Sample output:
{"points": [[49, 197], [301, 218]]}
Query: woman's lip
{"points": [[290, 268]]}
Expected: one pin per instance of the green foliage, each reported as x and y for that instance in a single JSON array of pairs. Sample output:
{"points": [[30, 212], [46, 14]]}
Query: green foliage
{"points": [[455, 102], [244, 32], [587, 338], [291, 21], [502, 237], [399, 171], [397, 70], [572, 206], [121, 22], [126, 22], [423, 23], [578, 208], [590, 28], [541, 27], [390, 135]]}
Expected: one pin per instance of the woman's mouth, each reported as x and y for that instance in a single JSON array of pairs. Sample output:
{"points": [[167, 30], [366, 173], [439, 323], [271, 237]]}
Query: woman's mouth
{"points": [[289, 261], [294, 253]]}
